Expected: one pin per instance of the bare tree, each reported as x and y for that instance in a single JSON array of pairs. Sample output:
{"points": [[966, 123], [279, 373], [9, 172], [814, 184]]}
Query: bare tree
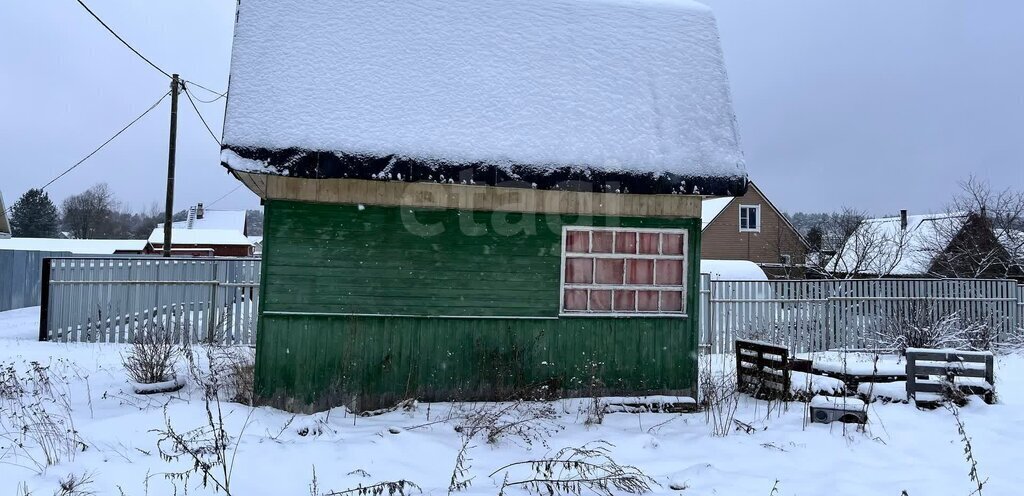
{"points": [[980, 235], [863, 247], [89, 214]]}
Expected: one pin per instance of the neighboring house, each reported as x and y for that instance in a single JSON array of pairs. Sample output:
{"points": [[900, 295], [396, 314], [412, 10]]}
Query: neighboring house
{"points": [[206, 232], [478, 200], [80, 246], [749, 227], [257, 245], [5, 224], [930, 245]]}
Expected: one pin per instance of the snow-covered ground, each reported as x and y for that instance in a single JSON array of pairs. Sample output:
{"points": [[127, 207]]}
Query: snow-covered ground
{"points": [[902, 449]]}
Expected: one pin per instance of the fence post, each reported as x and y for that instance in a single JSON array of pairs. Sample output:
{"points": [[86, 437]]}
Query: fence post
{"points": [[212, 324], [44, 300]]}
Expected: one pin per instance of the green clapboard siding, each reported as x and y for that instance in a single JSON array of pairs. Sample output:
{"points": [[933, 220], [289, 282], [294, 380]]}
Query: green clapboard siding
{"points": [[375, 304]]}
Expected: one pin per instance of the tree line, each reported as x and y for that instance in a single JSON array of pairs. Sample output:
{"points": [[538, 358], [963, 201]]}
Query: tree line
{"points": [[95, 213]]}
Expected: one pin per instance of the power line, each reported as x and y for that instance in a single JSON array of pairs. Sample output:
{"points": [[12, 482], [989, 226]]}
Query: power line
{"points": [[225, 195], [119, 38], [218, 93], [123, 129], [189, 95]]}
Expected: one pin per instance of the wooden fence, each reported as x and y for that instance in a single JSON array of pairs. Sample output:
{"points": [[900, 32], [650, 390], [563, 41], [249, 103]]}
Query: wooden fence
{"points": [[109, 299], [817, 315]]}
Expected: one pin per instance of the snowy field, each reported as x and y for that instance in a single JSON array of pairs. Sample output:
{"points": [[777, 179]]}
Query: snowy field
{"points": [[903, 449]]}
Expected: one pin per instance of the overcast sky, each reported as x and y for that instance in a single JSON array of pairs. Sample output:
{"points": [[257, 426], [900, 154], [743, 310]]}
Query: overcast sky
{"points": [[878, 105]]}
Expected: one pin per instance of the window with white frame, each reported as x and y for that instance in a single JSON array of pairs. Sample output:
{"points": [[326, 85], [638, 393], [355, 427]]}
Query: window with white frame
{"points": [[623, 271], [750, 218]]}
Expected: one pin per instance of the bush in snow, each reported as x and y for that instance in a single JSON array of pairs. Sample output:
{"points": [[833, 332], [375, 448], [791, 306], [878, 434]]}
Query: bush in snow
{"points": [[575, 471], [209, 448], [222, 372], [718, 394], [920, 327], [36, 426], [152, 355]]}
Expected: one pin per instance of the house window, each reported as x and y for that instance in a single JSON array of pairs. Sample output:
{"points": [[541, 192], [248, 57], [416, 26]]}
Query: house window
{"points": [[750, 218], [622, 271]]}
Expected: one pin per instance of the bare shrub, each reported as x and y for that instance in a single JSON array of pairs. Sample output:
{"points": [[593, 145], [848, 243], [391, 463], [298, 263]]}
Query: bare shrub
{"points": [[919, 327], [400, 487], [968, 450], [575, 470], [75, 485], [209, 448], [521, 421], [152, 356], [222, 372], [36, 426], [719, 396]]}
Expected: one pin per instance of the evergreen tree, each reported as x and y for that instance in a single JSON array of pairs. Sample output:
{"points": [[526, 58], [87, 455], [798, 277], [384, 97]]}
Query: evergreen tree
{"points": [[34, 216]]}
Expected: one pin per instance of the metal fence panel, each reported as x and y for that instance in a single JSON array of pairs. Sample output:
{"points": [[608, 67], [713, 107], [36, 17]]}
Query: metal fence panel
{"points": [[109, 299], [20, 277], [815, 315]]}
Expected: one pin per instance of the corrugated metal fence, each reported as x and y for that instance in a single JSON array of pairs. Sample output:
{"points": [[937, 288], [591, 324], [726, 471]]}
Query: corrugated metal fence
{"points": [[814, 315], [19, 277], [109, 299]]}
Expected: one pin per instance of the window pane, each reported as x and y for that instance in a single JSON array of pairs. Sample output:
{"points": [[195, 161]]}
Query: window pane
{"points": [[640, 272], [625, 300], [671, 301], [647, 301], [625, 242], [609, 271], [575, 299], [577, 242], [668, 272], [752, 219], [672, 244], [649, 243], [600, 300], [579, 270], [602, 242]]}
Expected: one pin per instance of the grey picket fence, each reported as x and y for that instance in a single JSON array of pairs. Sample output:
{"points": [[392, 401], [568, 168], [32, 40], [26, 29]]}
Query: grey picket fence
{"points": [[818, 315], [110, 299]]}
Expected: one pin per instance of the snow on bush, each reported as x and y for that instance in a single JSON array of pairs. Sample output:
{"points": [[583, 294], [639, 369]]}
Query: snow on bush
{"points": [[921, 328], [152, 355]]}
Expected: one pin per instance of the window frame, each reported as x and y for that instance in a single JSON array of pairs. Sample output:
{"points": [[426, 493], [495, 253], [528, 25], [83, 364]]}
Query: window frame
{"points": [[684, 287], [757, 209]]}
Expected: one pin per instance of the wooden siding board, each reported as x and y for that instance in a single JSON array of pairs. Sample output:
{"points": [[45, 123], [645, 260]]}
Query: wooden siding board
{"points": [[336, 259]]}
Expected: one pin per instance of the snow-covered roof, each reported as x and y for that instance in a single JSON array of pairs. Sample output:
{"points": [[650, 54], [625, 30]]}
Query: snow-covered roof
{"points": [[214, 219], [711, 208], [76, 246], [633, 92], [881, 246], [200, 237], [732, 270]]}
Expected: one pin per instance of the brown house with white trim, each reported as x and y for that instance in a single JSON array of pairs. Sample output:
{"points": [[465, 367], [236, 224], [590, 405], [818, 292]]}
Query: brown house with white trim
{"points": [[749, 227]]}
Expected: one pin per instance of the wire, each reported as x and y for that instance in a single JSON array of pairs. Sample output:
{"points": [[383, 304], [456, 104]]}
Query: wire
{"points": [[123, 129], [219, 94], [225, 195], [189, 95], [143, 57]]}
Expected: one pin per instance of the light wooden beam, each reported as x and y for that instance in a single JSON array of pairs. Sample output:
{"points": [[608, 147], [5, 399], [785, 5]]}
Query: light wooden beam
{"points": [[468, 197]]}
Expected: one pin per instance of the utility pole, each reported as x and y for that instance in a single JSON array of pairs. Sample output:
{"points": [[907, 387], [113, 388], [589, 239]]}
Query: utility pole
{"points": [[169, 205]]}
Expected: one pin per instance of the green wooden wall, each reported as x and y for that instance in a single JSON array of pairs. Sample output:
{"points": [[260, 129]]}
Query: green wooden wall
{"points": [[370, 305]]}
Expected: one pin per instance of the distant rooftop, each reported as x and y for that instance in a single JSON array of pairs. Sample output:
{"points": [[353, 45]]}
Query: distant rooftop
{"points": [[76, 246]]}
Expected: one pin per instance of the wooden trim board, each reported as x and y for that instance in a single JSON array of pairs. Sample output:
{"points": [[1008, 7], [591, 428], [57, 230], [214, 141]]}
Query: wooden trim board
{"points": [[468, 197]]}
